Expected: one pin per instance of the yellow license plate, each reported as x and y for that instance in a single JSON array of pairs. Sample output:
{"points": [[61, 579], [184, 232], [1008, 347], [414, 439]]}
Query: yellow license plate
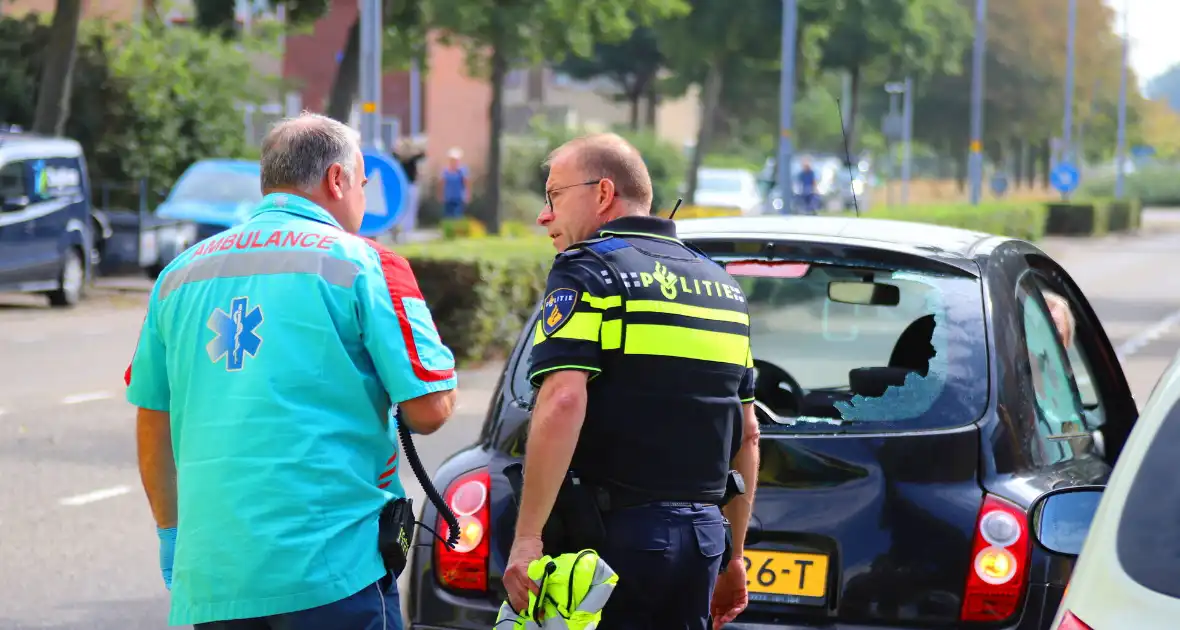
{"points": [[786, 573]]}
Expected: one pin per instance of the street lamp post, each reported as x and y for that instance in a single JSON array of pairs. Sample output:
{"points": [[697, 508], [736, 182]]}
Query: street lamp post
{"points": [[1119, 178], [975, 163], [1068, 153], [370, 73], [787, 100], [907, 139]]}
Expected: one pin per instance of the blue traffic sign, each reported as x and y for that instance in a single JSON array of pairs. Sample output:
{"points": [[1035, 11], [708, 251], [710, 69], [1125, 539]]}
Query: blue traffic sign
{"points": [[999, 184], [385, 194], [1064, 177]]}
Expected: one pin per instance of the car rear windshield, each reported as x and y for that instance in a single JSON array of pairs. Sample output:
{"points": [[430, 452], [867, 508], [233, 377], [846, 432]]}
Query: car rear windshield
{"points": [[215, 185], [860, 346]]}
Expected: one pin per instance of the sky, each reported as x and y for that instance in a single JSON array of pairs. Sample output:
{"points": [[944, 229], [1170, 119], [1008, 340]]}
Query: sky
{"points": [[1153, 27]]}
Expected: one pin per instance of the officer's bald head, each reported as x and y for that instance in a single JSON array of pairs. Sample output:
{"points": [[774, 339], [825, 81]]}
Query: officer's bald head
{"points": [[318, 158], [609, 156]]}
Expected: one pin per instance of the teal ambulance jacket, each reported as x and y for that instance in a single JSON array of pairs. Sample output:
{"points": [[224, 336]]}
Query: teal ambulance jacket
{"points": [[278, 347]]}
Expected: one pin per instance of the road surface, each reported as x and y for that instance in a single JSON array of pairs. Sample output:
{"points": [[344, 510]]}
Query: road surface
{"points": [[77, 544]]}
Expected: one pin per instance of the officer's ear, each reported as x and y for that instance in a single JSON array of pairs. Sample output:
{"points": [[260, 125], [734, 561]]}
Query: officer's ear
{"points": [[606, 192]]}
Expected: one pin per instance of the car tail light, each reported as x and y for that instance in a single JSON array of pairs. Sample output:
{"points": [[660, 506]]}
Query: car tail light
{"points": [[999, 563], [465, 568], [1070, 622]]}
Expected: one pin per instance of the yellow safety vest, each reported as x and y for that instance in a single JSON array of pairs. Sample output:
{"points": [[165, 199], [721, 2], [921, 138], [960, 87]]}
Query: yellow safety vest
{"points": [[573, 588]]}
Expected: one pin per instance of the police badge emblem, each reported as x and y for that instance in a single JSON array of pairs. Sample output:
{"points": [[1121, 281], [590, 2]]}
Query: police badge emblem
{"points": [[557, 309]]}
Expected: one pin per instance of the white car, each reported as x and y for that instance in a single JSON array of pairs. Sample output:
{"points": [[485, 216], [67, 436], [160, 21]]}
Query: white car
{"points": [[1128, 574], [727, 188]]}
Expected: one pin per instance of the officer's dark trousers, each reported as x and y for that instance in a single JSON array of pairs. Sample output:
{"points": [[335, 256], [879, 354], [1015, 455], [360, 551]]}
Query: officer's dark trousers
{"points": [[375, 607], [666, 556]]}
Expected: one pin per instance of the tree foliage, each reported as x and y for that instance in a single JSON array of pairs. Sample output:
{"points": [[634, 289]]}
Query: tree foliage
{"points": [[500, 33], [146, 102], [632, 64], [1024, 81], [881, 40]]}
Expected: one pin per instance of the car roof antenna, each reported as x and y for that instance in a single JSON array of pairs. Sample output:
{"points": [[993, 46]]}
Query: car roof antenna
{"points": [[676, 207], [847, 157]]}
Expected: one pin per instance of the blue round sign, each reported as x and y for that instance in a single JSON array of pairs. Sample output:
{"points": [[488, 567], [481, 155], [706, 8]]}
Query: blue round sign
{"points": [[385, 194], [999, 184], [1064, 177]]}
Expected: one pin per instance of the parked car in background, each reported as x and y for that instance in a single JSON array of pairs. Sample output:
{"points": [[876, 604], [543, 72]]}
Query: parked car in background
{"points": [[730, 188], [915, 399], [1128, 534], [836, 187], [47, 224], [209, 197]]}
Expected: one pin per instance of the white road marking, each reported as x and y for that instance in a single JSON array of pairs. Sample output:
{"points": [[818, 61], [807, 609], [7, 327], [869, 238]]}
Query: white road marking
{"points": [[97, 495], [86, 397], [1146, 336]]}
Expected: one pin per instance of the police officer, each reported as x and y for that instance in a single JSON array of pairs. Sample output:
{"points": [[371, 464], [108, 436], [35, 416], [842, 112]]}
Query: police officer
{"points": [[264, 376], [642, 357]]}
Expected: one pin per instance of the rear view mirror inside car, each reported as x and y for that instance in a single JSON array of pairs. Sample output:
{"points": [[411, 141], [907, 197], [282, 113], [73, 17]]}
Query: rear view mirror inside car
{"points": [[868, 293]]}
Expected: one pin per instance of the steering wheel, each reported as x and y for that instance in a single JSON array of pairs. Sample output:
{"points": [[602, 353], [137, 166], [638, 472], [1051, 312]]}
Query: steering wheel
{"points": [[777, 389]]}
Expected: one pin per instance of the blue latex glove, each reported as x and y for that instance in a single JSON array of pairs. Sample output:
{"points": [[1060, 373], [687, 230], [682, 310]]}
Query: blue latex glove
{"points": [[167, 551]]}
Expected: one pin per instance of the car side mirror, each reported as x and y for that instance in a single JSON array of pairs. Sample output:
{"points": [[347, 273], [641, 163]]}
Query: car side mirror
{"points": [[11, 204], [1061, 518]]}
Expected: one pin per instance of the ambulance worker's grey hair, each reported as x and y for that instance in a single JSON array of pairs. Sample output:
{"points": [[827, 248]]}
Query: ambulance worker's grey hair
{"points": [[297, 152]]}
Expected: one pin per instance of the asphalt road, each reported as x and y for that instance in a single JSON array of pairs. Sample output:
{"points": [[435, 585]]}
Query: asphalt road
{"points": [[77, 546]]}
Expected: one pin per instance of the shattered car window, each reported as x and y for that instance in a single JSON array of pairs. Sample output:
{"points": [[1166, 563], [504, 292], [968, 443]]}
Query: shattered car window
{"points": [[915, 359]]}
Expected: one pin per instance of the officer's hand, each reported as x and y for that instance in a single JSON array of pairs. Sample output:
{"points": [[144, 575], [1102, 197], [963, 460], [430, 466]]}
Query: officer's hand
{"points": [[516, 575], [729, 596], [167, 550]]}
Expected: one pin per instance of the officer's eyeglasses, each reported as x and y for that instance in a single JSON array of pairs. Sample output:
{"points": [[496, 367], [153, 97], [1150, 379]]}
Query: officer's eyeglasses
{"points": [[549, 193]]}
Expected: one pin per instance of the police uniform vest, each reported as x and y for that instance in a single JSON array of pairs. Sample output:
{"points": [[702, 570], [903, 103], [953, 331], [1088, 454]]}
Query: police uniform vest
{"points": [[670, 365], [572, 590]]}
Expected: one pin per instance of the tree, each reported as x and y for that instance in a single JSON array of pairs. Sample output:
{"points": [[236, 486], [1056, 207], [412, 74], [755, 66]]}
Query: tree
{"points": [[633, 65], [146, 102], [883, 37], [499, 33], [53, 99], [1023, 85], [714, 40]]}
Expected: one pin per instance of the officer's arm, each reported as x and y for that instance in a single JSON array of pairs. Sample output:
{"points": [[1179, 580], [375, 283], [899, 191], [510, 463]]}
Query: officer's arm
{"points": [[147, 388], [566, 354], [415, 367], [739, 509]]}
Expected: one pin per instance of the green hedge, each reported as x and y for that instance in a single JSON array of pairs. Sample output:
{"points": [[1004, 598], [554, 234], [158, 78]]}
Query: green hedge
{"points": [[1092, 217], [1016, 219], [1157, 185], [480, 290]]}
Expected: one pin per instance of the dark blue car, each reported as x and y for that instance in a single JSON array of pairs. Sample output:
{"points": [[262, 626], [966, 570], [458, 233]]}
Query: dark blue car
{"points": [[47, 230], [915, 399]]}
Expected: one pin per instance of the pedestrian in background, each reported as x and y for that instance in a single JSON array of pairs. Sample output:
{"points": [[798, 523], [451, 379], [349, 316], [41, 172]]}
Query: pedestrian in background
{"points": [[264, 376], [454, 186], [410, 155]]}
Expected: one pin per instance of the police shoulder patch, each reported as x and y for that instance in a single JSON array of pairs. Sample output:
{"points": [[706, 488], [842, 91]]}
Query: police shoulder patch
{"points": [[557, 309]]}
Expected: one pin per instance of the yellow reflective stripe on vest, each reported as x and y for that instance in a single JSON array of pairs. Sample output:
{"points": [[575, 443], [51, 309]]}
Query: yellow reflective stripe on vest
{"points": [[612, 334], [687, 343], [602, 303], [700, 312], [582, 326]]}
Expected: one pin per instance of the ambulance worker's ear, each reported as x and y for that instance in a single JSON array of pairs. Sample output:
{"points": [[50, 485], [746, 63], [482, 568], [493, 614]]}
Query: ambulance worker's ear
{"points": [[337, 181]]}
